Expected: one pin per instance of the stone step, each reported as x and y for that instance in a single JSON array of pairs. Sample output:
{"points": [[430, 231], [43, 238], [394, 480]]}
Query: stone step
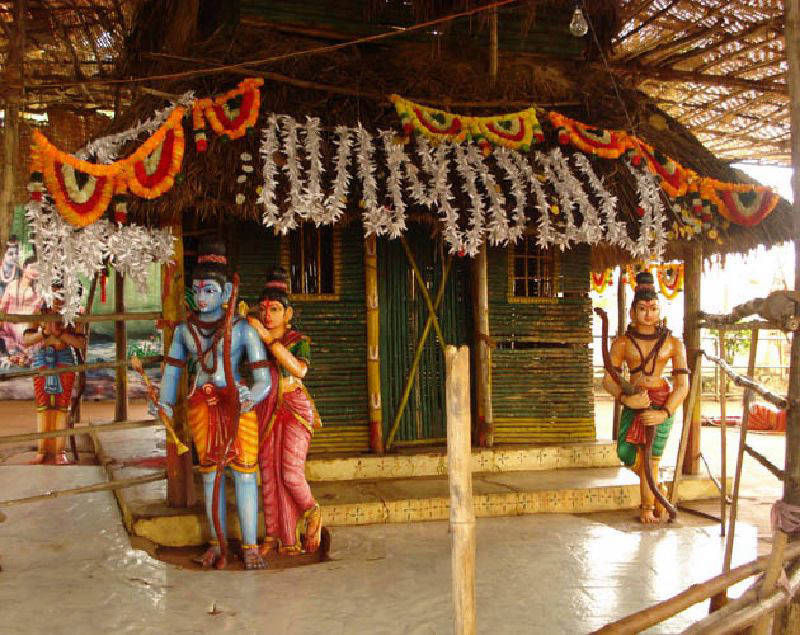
{"points": [[433, 462], [361, 502]]}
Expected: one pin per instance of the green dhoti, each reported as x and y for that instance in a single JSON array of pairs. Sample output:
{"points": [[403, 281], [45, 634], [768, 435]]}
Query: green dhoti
{"points": [[626, 450]]}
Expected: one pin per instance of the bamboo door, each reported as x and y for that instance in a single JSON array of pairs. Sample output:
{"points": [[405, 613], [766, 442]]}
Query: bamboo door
{"points": [[403, 314]]}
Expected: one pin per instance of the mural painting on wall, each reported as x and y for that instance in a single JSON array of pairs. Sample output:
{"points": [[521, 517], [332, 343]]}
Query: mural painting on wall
{"points": [[648, 400], [20, 295]]}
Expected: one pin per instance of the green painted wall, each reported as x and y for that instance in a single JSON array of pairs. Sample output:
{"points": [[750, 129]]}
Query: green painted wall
{"points": [[541, 368], [337, 376]]}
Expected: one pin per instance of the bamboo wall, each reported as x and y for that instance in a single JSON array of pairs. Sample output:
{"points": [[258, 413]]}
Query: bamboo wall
{"points": [[337, 377], [541, 368]]}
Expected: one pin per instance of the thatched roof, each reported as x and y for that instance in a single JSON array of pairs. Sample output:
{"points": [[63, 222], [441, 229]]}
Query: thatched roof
{"points": [[539, 62], [717, 66]]}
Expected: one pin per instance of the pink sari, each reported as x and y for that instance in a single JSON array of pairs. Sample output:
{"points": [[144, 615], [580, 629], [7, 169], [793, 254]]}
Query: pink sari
{"points": [[285, 438]]}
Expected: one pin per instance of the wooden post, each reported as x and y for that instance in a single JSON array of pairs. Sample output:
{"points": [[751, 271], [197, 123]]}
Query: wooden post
{"points": [[494, 57], [694, 392], [373, 348], [621, 320], [693, 269], [121, 344], [774, 568], [483, 350], [180, 482], [462, 512], [789, 620], [751, 367], [723, 441], [13, 79]]}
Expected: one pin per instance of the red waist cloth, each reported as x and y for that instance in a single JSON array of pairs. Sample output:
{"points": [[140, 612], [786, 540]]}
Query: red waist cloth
{"points": [[658, 397], [220, 429]]}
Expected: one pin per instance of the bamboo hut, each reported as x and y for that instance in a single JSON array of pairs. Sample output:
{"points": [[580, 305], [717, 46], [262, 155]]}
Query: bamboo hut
{"points": [[525, 309]]}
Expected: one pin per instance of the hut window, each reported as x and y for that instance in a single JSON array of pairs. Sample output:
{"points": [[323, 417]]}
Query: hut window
{"points": [[311, 261], [533, 272]]}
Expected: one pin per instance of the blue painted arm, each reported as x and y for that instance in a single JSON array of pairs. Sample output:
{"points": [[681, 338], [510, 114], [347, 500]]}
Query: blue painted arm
{"points": [[172, 374], [256, 353]]}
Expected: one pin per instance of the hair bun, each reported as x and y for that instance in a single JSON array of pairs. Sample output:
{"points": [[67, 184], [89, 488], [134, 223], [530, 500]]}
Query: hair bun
{"points": [[645, 278]]}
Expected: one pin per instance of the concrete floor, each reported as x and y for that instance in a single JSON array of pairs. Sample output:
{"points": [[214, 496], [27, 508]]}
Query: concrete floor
{"points": [[68, 566]]}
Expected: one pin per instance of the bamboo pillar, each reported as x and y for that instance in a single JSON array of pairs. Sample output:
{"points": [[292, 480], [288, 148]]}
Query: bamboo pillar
{"points": [[483, 351], [693, 269], [14, 88], [180, 483], [373, 345], [621, 320], [789, 620], [723, 441], [121, 344], [462, 512]]}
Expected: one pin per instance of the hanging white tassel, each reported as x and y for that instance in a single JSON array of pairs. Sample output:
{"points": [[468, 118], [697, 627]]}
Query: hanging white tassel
{"points": [[516, 229], [590, 231], [652, 237], [570, 234], [292, 170], [312, 192], [546, 235], [269, 172], [337, 201], [473, 239], [395, 160], [616, 232], [375, 218], [497, 227]]}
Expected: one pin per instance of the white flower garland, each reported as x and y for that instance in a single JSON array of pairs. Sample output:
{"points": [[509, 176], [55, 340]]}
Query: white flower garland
{"points": [[337, 201], [292, 169], [546, 235], [652, 239], [473, 238], [616, 232], [269, 173], [590, 231], [314, 196], [66, 253], [570, 234], [106, 149], [518, 219], [376, 219], [497, 229], [396, 158]]}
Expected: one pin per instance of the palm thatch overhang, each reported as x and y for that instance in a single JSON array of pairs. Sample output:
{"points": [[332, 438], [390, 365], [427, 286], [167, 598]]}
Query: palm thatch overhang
{"points": [[717, 66], [449, 67]]}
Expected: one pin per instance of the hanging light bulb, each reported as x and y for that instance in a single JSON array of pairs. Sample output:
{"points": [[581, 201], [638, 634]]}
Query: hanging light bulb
{"points": [[578, 26]]}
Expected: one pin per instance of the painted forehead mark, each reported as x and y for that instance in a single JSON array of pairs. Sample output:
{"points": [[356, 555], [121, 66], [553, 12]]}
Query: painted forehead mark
{"points": [[202, 284]]}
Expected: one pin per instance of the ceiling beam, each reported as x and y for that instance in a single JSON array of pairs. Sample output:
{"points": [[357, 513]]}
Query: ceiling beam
{"points": [[638, 71]]}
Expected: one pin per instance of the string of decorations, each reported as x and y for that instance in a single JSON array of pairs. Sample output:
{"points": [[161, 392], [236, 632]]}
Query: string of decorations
{"points": [[670, 277]]}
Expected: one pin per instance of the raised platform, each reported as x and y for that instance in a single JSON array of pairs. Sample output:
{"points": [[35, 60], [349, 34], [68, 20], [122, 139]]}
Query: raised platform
{"points": [[367, 489]]}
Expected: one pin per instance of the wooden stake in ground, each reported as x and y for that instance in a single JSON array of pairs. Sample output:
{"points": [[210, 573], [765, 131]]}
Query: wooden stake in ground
{"points": [[373, 345], [693, 268], [462, 513]]}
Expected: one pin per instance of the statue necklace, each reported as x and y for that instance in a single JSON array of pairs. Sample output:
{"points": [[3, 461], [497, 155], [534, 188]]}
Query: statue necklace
{"points": [[660, 336], [215, 330]]}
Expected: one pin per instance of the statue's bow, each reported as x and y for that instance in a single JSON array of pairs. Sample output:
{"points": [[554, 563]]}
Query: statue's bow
{"points": [[650, 431], [232, 391]]}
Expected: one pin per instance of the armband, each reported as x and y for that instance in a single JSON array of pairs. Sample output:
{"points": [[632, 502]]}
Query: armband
{"points": [[680, 371], [174, 361], [259, 364], [30, 330]]}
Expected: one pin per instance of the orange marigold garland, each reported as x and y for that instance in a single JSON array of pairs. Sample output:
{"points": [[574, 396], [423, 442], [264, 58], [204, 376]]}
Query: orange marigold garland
{"points": [[608, 144], [80, 189], [516, 131], [151, 170], [232, 113], [670, 279], [675, 179], [740, 203], [600, 281]]}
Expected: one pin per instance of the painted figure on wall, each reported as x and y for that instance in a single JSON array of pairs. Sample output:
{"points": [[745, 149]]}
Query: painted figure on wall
{"points": [[51, 345], [224, 428], [20, 297], [645, 349], [10, 269], [288, 418]]}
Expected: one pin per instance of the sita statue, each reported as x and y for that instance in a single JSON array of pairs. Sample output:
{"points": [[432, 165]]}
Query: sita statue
{"points": [[288, 418], [52, 345], [221, 411], [648, 400]]}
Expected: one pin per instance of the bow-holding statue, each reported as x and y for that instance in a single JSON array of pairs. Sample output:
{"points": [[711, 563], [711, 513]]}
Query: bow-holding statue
{"points": [[648, 400], [221, 411]]}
